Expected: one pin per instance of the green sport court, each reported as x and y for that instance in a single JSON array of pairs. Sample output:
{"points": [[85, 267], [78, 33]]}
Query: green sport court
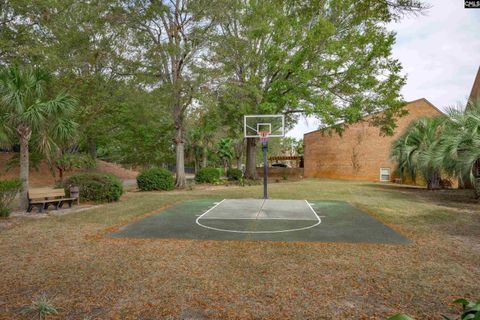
{"points": [[263, 219]]}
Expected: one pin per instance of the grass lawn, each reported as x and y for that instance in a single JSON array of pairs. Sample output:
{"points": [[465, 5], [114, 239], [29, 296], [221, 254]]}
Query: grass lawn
{"points": [[91, 276]]}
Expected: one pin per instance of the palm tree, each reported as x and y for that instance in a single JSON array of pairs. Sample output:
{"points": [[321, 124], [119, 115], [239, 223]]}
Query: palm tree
{"points": [[28, 110], [415, 151], [459, 149], [225, 152]]}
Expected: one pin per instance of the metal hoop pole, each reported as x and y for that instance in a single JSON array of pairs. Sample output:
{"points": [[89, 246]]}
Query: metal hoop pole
{"points": [[264, 140]]}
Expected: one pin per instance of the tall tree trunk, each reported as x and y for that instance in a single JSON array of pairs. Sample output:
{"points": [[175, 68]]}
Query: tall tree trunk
{"points": [[60, 173], [197, 165], [92, 148], [24, 165], [433, 182], [251, 167], [180, 179], [239, 149], [477, 188], [204, 157]]}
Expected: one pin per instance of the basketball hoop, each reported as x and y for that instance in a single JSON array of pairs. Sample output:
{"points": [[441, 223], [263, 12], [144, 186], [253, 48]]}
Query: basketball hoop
{"points": [[263, 136], [264, 126]]}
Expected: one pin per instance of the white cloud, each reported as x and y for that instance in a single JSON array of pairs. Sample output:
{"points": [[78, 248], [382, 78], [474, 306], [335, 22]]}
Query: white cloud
{"points": [[440, 54]]}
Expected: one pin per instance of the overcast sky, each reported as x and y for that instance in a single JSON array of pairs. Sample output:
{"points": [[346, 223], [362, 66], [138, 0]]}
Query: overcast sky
{"points": [[440, 54]]}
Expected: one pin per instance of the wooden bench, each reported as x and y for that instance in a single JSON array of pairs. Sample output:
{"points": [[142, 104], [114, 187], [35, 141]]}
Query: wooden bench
{"points": [[44, 197]]}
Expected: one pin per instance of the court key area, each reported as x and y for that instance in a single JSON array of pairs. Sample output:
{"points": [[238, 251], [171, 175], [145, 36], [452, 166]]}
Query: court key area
{"points": [[264, 219]]}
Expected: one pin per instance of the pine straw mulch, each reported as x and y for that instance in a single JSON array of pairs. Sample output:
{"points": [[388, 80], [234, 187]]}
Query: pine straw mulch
{"points": [[96, 277]]}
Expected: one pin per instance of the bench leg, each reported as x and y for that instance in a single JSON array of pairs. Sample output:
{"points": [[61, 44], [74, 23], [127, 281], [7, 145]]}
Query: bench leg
{"points": [[41, 207], [58, 205], [70, 203], [30, 207]]}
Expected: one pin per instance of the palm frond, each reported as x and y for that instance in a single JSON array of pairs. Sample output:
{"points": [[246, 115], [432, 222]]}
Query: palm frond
{"points": [[24, 102], [62, 105], [63, 129], [415, 150]]}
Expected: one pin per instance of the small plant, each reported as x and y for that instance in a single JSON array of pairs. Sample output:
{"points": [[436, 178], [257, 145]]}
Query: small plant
{"points": [[98, 187], [207, 175], [234, 174], [41, 307], [155, 179], [8, 191], [70, 161], [470, 310], [285, 177]]}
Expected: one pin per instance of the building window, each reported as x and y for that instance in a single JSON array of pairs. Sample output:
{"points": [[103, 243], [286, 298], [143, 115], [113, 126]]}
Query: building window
{"points": [[384, 174]]}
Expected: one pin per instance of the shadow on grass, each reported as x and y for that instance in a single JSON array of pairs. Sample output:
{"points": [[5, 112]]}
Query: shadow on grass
{"points": [[453, 198]]}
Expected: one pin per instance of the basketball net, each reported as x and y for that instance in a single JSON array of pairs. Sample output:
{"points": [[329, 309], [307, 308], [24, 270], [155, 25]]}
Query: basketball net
{"points": [[263, 136]]}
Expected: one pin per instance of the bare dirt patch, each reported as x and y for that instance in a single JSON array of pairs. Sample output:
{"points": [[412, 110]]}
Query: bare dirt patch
{"points": [[42, 176]]}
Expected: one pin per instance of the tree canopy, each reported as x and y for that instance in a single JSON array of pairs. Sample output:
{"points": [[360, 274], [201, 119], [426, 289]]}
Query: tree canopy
{"points": [[163, 81]]}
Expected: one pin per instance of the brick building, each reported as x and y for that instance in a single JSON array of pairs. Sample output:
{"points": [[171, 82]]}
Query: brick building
{"points": [[474, 98], [361, 153], [475, 93]]}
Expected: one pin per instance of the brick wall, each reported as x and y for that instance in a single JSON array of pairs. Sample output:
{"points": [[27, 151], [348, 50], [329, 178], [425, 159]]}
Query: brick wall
{"points": [[475, 93], [276, 172], [361, 151]]}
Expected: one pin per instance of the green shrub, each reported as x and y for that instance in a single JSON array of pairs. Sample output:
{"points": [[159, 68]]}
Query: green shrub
{"points": [[155, 179], [470, 311], [207, 175], [98, 187], [8, 191], [234, 174]]}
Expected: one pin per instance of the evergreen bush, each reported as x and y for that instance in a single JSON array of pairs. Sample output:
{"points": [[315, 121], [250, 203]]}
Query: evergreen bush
{"points": [[234, 174], [155, 179], [98, 187], [207, 175]]}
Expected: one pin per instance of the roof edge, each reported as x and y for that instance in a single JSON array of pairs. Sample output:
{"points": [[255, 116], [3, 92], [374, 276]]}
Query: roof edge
{"points": [[475, 92], [408, 102]]}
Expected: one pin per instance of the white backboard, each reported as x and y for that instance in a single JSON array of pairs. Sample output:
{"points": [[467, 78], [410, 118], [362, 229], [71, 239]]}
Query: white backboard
{"points": [[273, 124]]}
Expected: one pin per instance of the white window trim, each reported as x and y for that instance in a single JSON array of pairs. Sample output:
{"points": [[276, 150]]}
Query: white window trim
{"points": [[389, 174]]}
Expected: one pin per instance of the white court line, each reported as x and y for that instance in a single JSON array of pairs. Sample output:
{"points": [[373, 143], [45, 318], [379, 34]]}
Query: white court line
{"points": [[240, 231], [308, 203], [287, 219], [261, 207], [216, 205]]}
